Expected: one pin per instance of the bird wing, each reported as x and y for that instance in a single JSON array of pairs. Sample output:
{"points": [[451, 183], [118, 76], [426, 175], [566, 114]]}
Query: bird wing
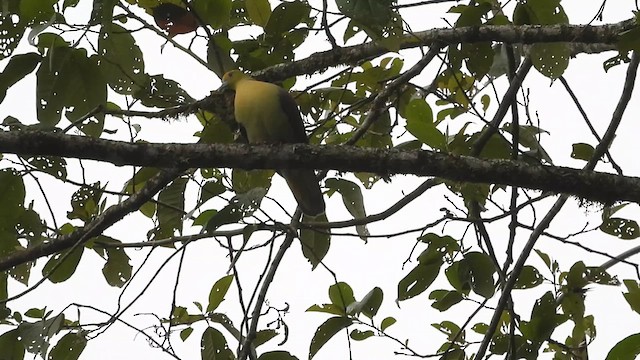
{"points": [[290, 108]]}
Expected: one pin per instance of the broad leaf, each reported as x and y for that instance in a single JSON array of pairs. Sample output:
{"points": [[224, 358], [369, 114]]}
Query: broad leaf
{"points": [[326, 331]]}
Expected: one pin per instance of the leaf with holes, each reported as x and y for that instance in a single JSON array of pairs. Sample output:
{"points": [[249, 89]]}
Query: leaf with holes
{"points": [[624, 229], [326, 331], [218, 291]]}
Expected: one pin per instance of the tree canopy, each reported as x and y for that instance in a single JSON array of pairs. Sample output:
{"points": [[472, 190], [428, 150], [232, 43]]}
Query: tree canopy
{"points": [[129, 191]]}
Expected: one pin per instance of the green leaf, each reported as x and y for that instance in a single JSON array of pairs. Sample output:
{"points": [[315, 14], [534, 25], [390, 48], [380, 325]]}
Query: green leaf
{"points": [[12, 30], [375, 12], [633, 294], [369, 305], [471, 15], [213, 346], [485, 100], [539, 12], [245, 180], [185, 333], [216, 13], [481, 269], [224, 320], [89, 91], [326, 331], [35, 336], [480, 328], [67, 78], [211, 189], [627, 349], [230, 214], [35, 313], [219, 57], [19, 67], [277, 355], [315, 244], [524, 349], [52, 165], [69, 3], [445, 299], [259, 11], [218, 291], [388, 321], [431, 260], [450, 329], [139, 179], [170, 209], [4, 310], [11, 346], [263, 336], [361, 335], [352, 200], [629, 40], [63, 268], [418, 280], [102, 12], [529, 278], [624, 229], [341, 295], [204, 217], [84, 203], [286, 16], [117, 270], [459, 276], [162, 93], [327, 309], [420, 124], [121, 61], [12, 193], [582, 151], [215, 129], [478, 57], [598, 275], [69, 347], [551, 60], [543, 319], [36, 11], [388, 34]]}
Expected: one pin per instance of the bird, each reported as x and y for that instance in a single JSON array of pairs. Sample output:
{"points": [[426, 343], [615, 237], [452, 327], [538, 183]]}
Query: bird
{"points": [[269, 115]]}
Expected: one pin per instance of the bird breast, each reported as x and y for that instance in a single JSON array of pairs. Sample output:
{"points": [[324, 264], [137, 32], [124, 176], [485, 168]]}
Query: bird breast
{"points": [[258, 110]]}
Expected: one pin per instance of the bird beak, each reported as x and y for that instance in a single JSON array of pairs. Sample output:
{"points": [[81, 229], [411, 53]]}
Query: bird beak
{"points": [[223, 87]]}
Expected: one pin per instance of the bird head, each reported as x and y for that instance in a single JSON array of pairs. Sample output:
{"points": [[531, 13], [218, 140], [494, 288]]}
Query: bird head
{"points": [[231, 78]]}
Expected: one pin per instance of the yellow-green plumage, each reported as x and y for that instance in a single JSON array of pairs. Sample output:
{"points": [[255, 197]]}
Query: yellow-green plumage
{"points": [[269, 115]]}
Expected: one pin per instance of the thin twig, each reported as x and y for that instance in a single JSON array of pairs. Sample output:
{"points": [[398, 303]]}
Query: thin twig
{"points": [[555, 209]]}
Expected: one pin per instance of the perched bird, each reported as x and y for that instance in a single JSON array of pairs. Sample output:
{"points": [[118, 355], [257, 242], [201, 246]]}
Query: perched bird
{"points": [[269, 115]]}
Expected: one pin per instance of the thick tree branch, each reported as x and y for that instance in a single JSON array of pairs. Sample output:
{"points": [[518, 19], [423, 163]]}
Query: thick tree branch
{"points": [[594, 186], [583, 38], [95, 227]]}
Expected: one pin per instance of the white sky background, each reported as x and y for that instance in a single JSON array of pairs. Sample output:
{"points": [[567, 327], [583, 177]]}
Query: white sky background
{"points": [[378, 263]]}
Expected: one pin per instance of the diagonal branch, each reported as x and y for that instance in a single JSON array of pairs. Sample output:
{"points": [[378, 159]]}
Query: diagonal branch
{"points": [[632, 71], [95, 227]]}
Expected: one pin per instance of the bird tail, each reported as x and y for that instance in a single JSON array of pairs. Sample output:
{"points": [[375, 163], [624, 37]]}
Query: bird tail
{"points": [[305, 188]]}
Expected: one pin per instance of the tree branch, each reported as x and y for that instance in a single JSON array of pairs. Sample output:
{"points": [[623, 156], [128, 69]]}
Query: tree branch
{"points": [[583, 38], [593, 186], [623, 102], [95, 227]]}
